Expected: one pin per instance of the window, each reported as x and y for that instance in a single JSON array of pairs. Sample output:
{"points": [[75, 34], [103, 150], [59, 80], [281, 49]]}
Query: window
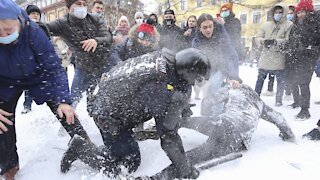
{"points": [[199, 3], [183, 5], [256, 17], [243, 18], [269, 16]]}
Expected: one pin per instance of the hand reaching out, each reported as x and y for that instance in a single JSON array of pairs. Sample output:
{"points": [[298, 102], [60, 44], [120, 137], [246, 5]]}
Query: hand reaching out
{"points": [[4, 119]]}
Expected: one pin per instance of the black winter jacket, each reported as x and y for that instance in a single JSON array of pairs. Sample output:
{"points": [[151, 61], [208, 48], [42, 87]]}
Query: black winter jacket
{"points": [[233, 27], [73, 31]]}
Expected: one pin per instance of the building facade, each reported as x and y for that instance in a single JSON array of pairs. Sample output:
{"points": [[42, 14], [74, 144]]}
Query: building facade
{"points": [[114, 9], [252, 13]]}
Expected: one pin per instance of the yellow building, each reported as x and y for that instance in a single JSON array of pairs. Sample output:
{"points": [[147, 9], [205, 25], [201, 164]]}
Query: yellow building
{"points": [[252, 13]]}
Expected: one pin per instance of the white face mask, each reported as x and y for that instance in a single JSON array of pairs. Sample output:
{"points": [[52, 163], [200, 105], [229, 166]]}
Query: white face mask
{"points": [[80, 12], [139, 21]]}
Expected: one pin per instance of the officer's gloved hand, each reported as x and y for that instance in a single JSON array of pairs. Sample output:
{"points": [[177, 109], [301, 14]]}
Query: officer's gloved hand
{"points": [[269, 42]]}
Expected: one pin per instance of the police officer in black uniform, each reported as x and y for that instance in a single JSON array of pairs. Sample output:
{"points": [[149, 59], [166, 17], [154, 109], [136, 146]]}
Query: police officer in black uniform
{"points": [[155, 86]]}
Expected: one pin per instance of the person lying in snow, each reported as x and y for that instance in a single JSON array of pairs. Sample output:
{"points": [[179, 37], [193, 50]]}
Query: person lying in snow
{"points": [[232, 130]]}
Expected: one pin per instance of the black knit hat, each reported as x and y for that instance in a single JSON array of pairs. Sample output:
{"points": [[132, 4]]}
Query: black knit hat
{"points": [[70, 2], [33, 8], [169, 11]]}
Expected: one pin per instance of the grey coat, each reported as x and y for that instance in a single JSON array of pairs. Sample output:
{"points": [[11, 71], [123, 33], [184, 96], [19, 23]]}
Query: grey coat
{"points": [[273, 58]]}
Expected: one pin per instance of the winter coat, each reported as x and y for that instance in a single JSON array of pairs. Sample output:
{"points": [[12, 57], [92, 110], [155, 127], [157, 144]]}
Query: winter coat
{"points": [[272, 58], [131, 48], [220, 52], [172, 38], [128, 49], [304, 46], [32, 64], [190, 38], [233, 27], [73, 31]]}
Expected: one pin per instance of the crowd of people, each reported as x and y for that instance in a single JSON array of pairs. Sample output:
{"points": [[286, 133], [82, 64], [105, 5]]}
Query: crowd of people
{"points": [[145, 70]]}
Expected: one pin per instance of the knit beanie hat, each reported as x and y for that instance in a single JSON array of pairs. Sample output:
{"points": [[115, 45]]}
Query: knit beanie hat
{"points": [[70, 2], [9, 10], [146, 31], [138, 14], [32, 8], [228, 6], [306, 5]]}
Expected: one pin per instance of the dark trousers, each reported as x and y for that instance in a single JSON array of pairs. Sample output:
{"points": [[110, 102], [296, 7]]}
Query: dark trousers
{"points": [[301, 89], [83, 81], [262, 74], [8, 149], [27, 100], [271, 82], [122, 146]]}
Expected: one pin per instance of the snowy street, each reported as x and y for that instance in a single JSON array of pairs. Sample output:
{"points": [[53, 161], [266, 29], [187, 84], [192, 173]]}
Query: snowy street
{"points": [[40, 146]]}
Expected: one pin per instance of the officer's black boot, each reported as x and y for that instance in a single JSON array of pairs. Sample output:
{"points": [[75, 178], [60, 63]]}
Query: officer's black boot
{"points": [[303, 114], [314, 134], [88, 153]]}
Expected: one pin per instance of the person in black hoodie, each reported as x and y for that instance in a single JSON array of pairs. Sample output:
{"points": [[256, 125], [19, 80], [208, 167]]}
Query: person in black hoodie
{"points": [[304, 49]]}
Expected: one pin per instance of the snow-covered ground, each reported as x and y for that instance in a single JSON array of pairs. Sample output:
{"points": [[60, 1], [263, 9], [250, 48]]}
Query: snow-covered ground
{"points": [[40, 147]]}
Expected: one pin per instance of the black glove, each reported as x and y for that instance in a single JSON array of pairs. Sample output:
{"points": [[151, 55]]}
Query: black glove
{"points": [[269, 42]]}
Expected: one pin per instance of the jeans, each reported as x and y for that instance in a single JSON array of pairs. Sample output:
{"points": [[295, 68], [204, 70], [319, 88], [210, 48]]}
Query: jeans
{"points": [[209, 108], [27, 100], [279, 74], [84, 81]]}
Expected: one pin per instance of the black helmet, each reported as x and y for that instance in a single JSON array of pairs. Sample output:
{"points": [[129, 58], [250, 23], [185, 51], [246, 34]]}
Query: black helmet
{"points": [[191, 64]]}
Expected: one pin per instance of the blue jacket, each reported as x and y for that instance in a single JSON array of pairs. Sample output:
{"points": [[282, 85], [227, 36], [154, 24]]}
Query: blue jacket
{"points": [[222, 55], [32, 64]]}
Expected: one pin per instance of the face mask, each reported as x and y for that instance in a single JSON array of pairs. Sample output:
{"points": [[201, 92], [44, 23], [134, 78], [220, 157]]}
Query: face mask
{"points": [[80, 12], [97, 14], [290, 17], [225, 14], [277, 17], [168, 22], [9, 39], [139, 21]]}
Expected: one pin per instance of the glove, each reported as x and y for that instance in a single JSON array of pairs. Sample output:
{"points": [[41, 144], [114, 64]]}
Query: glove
{"points": [[269, 42]]}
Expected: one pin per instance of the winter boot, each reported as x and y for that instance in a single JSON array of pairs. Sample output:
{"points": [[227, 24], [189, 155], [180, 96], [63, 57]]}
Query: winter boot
{"points": [[88, 153], [314, 134], [303, 114], [268, 93], [9, 175], [294, 105]]}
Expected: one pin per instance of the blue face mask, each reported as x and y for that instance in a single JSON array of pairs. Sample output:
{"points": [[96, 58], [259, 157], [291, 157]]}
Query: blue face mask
{"points": [[277, 17], [9, 39], [290, 17], [225, 14]]}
